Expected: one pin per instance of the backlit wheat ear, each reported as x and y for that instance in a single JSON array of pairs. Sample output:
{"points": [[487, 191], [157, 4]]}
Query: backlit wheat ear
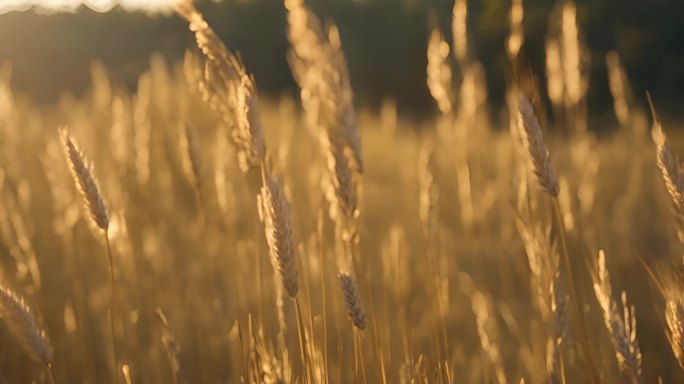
{"points": [[527, 89], [439, 71], [621, 326], [342, 193], [23, 327], [248, 132], [671, 169], [320, 69], [82, 173], [459, 29], [674, 317], [352, 300], [274, 211], [539, 154], [226, 87]]}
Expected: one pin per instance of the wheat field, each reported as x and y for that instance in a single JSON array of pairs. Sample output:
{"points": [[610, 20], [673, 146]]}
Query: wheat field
{"points": [[189, 231]]}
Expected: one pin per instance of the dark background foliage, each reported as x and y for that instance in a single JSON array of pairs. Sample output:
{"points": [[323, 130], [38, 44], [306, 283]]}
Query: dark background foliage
{"points": [[385, 42]]}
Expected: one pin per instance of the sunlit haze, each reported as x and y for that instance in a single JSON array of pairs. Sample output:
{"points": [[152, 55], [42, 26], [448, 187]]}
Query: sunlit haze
{"points": [[55, 6]]}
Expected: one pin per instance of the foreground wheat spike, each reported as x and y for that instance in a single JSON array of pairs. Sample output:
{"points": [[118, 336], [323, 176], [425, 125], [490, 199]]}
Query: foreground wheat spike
{"points": [[23, 327], [352, 300], [85, 181], [526, 93], [539, 154], [274, 211], [621, 326], [671, 169]]}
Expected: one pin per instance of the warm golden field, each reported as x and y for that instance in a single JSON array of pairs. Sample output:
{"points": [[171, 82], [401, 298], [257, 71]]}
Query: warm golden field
{"points": [[456, 255]]}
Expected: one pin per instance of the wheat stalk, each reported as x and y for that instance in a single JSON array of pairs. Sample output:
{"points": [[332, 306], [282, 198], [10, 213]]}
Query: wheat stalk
{"points": [[170, 343], [559, 335]]}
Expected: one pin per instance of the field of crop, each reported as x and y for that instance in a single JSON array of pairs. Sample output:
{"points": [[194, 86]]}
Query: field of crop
{"points": [[188, 231]]}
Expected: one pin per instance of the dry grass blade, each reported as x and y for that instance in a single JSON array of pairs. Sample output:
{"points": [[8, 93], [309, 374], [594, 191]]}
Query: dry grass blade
{"points": [[619, 89], [428, 208], [190, 149], [85, 181], [23, 327], [622, 327], [274, 211], [352, 300]]}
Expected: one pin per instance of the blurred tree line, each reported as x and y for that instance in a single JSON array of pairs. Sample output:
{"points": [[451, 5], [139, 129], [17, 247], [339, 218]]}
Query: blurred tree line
{"points": [[385, 42]]}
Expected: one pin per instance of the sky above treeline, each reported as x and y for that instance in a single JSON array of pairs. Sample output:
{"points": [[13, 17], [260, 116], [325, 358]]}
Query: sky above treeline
{"points": [[58, 6]]}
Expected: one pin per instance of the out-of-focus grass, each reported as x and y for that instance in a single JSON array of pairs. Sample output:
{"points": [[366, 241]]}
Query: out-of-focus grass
{"points": [[214, 281]]}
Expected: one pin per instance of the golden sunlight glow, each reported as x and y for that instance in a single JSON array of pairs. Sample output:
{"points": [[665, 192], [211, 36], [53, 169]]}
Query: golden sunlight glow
{"points": [[56, 6]]}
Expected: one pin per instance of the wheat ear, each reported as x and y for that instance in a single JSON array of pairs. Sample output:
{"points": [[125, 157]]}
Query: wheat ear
{"points": [[539, 153], [226, 86], [23, 327], [274, 211], [621, 326], [82, 171], [352, 300], [671, 169]]}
